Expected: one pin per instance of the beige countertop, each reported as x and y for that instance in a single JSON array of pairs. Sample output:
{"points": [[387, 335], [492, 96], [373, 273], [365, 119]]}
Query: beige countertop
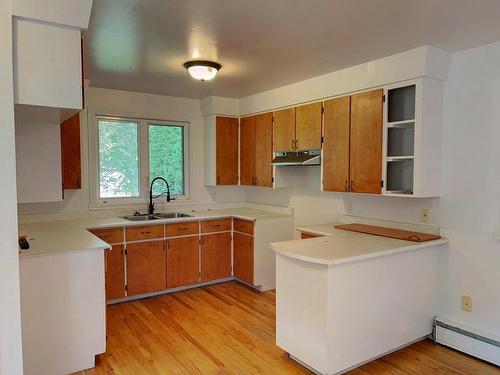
{"points": [[339, 246], [52, 237]]}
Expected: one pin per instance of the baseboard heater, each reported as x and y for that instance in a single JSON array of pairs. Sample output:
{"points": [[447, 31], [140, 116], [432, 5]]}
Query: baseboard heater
{"points": [[468, 340]]}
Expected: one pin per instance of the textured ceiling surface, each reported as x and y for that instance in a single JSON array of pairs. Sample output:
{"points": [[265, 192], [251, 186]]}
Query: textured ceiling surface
{"points": [[140, 45]]}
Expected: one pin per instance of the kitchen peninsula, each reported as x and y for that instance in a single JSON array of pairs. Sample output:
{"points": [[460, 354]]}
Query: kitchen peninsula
{"points": [[345, 298]]}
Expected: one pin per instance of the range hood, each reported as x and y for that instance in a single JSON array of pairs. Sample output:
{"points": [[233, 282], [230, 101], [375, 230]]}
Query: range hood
{"points": [[294, 158]]}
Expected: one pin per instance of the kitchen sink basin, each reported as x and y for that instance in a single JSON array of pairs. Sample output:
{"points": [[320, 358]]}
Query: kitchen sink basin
{"points": [[161, 215], [141, 217], [170, 215]]}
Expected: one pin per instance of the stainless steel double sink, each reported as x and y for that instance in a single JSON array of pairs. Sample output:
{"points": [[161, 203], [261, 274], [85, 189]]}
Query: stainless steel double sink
{"points": [[161, 215]]}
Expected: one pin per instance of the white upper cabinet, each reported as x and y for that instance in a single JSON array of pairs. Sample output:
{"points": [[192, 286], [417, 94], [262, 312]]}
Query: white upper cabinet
{"points": [[75, 13], [47, 58], [38, 162], [47, 65], [412, 138]]}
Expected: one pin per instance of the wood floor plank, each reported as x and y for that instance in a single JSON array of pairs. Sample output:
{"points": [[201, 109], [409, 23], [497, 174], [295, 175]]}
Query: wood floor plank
{"points": [[230, 329]]}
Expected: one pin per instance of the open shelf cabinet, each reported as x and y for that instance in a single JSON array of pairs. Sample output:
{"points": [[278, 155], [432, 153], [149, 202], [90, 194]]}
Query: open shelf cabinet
{"points": [[412, 138]]}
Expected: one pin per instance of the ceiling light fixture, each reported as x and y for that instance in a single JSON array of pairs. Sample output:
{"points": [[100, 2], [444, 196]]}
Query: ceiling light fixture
{"points": [[202, 70]]}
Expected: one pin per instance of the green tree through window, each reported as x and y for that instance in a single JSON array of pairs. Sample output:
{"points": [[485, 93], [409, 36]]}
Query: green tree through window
{"points": [[118, 159], [166, 157]]}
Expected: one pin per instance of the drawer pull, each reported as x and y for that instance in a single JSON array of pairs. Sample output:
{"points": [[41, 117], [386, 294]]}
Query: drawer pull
{"points": [[216, 225], [183, 228], [146, 232]]}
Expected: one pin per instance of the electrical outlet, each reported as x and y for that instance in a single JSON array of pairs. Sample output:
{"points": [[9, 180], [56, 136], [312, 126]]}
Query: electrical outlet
{"points": [[426, 214], [467, 303]]}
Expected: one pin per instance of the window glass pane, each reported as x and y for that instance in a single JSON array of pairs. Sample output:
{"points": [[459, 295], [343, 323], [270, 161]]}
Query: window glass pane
{"points": [[118, 158], [166, 157]]}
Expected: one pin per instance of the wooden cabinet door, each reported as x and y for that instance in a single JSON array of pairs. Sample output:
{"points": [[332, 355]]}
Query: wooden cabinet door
{"points": [[183, 261], [216, 256], [145, 267], [366, 142], [247, 147], [227, 150], [70, 153], [336, 131], [308, 127], [264, 149], [284, 130], [243, 260], [115, 272]]}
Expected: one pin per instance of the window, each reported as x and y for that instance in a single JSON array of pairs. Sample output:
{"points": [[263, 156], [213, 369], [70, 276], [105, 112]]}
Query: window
{"points": [[130, 153], [166, 157], [118, 158]]}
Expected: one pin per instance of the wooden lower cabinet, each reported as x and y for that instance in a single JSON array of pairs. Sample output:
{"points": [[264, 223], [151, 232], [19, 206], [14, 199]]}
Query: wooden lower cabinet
{"points": [[243, 257], [215, 256], [115, 272], [183, 261], [145, 267]]}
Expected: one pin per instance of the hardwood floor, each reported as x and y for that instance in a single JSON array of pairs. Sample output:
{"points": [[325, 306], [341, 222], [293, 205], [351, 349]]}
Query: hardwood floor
{"points": [[229, 329]]}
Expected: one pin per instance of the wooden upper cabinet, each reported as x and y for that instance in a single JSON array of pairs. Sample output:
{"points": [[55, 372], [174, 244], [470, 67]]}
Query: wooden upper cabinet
{"points": [[70, 153], [146, 271], [243, 257], [182, 261], [247, 147], [115, 273], [336, 131], [284, 130], [226, 151], [264, 149], [308, 127], [366, 142], [216, 256]]}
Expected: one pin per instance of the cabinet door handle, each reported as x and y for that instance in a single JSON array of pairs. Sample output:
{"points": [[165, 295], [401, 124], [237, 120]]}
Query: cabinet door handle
{"points": [[346, 187], [351, 186], [293, 144], [218, 180], [296, 144]]}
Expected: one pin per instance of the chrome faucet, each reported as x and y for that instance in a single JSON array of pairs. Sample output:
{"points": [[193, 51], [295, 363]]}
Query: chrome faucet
{"points": [[151, 208]]}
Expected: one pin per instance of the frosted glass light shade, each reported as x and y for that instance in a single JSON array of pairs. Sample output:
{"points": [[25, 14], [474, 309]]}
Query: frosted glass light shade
{"points": [[202, 70]]}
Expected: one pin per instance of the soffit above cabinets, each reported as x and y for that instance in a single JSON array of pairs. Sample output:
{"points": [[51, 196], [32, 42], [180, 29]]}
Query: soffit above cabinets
{"points": [[141, 45]]}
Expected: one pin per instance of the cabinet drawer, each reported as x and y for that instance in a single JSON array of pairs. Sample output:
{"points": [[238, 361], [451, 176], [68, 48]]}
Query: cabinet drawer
{"points": [[183, 229], [144, 232], [222, 225], [243, 226], [110, 235]]}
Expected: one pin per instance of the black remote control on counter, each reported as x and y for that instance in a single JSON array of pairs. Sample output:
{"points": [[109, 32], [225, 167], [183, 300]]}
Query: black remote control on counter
{"points": [[23, 243]]}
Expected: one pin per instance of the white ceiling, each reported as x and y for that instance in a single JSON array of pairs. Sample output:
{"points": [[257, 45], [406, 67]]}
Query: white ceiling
{"points": [[140, 45]]}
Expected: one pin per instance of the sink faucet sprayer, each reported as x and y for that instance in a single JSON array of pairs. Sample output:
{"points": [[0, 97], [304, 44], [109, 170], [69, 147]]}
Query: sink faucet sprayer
{"points": [[151, 207]]}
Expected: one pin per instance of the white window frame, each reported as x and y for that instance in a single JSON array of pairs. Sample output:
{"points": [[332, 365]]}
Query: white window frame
{"points": [[96, 202]]}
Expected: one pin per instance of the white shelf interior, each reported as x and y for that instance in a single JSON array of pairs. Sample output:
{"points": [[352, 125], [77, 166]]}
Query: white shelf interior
{"points": [[400, 176], [401, 104], [400, 140]]}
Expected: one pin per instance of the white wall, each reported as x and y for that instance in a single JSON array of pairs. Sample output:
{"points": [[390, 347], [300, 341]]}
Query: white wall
{"points": [[127, 103], [10, 313], [469, 208]]}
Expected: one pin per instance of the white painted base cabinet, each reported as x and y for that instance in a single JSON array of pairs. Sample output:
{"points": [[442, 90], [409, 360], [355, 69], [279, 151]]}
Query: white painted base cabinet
{"points": [[63, 311], [334, 318]]}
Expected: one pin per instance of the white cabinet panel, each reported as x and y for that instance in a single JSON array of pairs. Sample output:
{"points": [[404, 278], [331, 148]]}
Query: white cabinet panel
{"points": [[47, 65], [65, 12], [38, 162]]}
